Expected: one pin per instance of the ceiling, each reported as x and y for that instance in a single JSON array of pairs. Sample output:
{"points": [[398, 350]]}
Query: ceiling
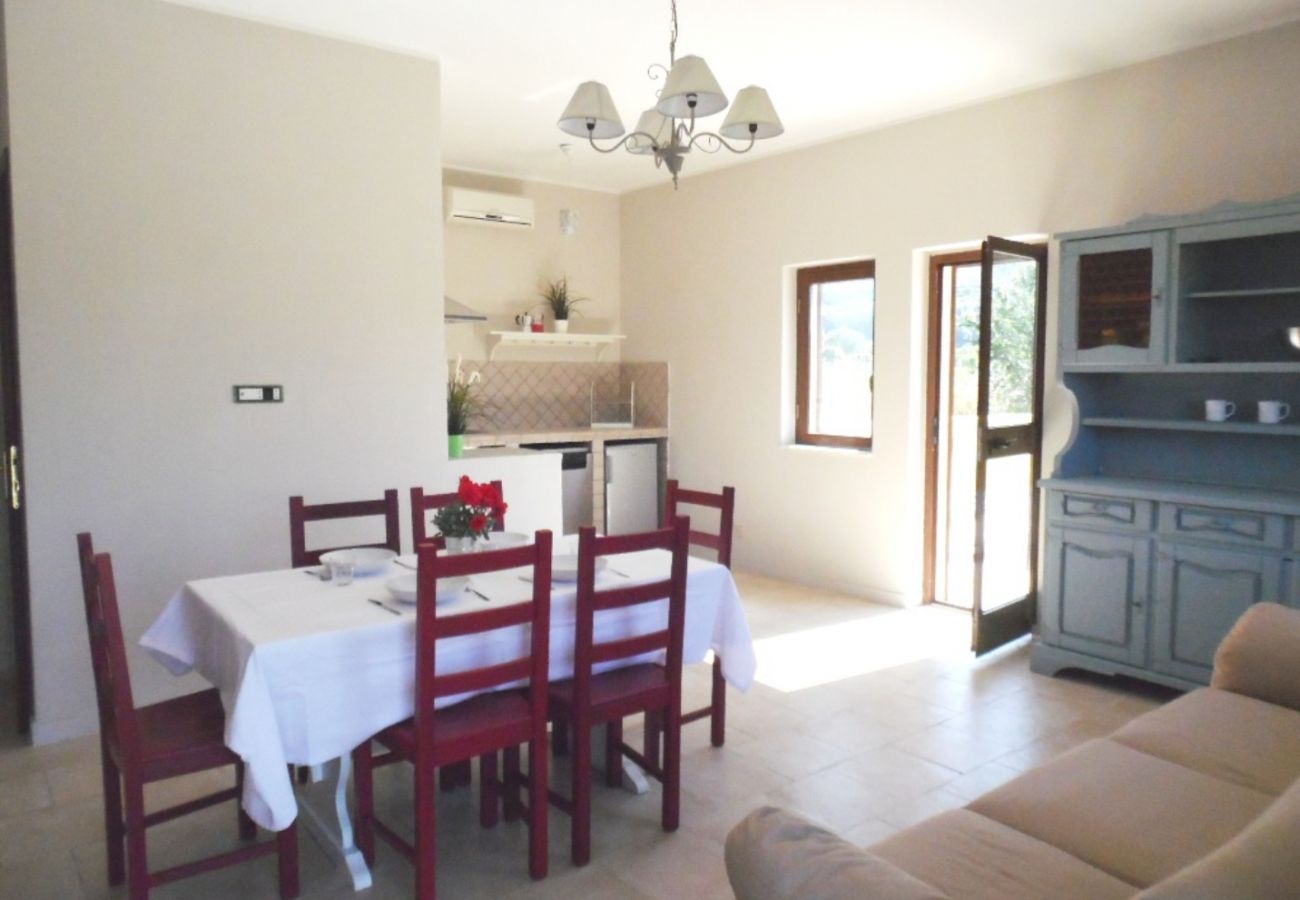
{"points": [[832, 67]]}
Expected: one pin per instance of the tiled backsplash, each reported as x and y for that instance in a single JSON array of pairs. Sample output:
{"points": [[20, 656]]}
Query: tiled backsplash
{"points": [[530, 396]]}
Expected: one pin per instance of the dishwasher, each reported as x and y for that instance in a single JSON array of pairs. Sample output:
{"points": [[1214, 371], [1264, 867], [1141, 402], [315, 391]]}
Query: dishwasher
{"points": [[576, 482]]}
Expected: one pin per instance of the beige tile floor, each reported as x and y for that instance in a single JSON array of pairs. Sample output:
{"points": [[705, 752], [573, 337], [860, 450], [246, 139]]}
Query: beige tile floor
{"points": [[866, 718]]}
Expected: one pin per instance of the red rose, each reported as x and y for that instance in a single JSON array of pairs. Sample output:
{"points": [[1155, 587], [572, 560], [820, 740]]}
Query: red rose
{"points": [[478, 524], [470, 494]]}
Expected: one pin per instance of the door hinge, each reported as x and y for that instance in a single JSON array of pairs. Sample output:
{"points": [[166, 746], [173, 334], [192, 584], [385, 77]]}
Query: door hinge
{"points": [[15, 485]]}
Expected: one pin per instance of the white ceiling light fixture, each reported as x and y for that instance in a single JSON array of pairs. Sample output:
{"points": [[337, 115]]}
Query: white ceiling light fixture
{"points": [[667, 130]]}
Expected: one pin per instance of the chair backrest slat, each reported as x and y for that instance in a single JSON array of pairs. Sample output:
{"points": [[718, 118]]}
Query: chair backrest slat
{"points": [[483, 679], [608, 651], [422, 504], [587, 651], [301, 513], [632, 595], [431, 628], [725, 503]]}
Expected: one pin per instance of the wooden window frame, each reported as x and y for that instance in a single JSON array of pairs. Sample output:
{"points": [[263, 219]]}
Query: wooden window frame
{"points": [[805, 278]]}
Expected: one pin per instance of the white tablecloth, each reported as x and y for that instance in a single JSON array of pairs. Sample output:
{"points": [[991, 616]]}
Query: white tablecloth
{"points": [[308, 670]]}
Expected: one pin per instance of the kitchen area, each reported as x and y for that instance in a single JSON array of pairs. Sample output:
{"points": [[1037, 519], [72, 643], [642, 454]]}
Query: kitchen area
{"points": [[576, 436]]}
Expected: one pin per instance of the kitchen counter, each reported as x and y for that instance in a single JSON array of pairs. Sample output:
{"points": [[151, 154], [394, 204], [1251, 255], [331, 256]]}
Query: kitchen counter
{"points": [[512, 439]]}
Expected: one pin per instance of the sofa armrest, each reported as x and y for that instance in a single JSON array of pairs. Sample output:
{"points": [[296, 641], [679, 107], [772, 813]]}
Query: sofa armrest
{"points": [[775, 855], [1260, 656]]}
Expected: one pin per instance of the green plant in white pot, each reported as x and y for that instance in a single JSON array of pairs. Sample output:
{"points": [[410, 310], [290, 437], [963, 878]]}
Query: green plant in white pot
{"points": [[462, 405], [561, 302]]}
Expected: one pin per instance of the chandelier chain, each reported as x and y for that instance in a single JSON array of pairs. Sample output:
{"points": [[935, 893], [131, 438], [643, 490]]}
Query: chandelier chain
{"points": [[672, 40]]}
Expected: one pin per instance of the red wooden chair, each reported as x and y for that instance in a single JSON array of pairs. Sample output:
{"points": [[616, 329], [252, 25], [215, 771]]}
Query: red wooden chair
{"points": [[422, 504], [720, 543], [591, 698], [490, 721], [300, 514], [152, 743]]}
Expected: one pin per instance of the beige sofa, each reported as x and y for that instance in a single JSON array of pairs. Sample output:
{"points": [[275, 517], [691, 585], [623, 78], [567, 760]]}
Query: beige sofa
{"points": [[1197, 799]]}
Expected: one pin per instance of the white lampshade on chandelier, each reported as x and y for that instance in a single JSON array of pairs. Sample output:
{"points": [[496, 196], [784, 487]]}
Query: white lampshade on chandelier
{"points": [[667, 130]]}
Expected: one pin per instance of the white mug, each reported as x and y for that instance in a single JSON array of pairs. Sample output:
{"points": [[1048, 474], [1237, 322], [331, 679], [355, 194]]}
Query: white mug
{"points": [[1219, 410], [1273, 411]]}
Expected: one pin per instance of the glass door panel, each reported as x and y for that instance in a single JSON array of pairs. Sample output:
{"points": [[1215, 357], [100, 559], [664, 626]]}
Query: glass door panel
{"points": [[1115, 298]]}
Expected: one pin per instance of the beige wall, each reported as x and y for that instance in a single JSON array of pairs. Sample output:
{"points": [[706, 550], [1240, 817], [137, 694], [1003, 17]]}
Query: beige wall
{"points": [[703, 273], [202, 201], [498, 270]]}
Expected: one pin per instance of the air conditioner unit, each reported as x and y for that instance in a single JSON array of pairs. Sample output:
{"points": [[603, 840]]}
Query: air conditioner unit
{"points": [[485, 208]]}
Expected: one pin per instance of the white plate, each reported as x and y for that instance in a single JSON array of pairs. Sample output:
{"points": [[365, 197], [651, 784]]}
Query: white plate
{"points": [[403, 587], [565, 568], [504, 540], [368, 560]]}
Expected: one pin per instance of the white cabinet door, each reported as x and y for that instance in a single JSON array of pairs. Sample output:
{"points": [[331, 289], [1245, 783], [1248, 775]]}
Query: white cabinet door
{"points": [[631, 488]]}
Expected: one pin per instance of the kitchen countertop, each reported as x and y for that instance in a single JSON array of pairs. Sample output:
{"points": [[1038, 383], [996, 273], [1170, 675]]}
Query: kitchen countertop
{"points": [[510, 440]]}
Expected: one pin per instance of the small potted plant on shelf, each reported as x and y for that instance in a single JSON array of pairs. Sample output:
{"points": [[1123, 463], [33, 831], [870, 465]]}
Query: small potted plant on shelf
{"points": [[477, 510], [462, 405], [561, 302]]}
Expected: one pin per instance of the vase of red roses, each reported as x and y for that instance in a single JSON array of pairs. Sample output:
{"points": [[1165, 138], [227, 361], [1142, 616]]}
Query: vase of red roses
{"points": [[466, 524]]}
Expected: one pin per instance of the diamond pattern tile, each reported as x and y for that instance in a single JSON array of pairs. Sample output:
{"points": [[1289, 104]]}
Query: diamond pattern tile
{"points": [[530, 396]]}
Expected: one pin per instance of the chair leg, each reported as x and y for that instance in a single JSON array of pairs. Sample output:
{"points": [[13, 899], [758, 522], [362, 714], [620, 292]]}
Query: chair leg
{"points": [[538, 839], [455, 775], [247, 827], [114, 833], [580, 826], [137, 858], [489, 794], [287, 847], [363, 786], [653, 729], [560, 736], [512, 777], [672, 780], [614, 753], [718, 719], [426, 839]]}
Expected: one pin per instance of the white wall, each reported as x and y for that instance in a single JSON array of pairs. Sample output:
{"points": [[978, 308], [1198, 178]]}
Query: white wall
{"points": [[498, 270], [202, 201], [703, 273]]}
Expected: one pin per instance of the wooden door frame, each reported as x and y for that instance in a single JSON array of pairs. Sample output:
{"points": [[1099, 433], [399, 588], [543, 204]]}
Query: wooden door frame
{"points": [[932, 375]]}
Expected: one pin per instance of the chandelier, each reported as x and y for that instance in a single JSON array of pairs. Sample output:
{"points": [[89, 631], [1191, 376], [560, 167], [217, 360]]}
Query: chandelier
{"points": [[667, 129]]}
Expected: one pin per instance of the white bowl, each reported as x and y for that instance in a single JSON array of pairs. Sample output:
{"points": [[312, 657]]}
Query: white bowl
{"points": [[504, 540], [404, 587], [366, 560]]}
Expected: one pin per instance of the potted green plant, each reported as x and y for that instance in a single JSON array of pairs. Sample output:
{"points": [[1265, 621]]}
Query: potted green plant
{"points": [[462, 405], [561, 302]]}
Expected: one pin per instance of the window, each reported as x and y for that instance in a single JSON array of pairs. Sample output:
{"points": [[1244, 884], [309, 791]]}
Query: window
{"points": [[836, 354]]}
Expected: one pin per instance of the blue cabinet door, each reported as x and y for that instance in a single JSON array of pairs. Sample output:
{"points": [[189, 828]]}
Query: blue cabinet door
{"points": [[1095, 592], [1113, 300], [1200, 592]]}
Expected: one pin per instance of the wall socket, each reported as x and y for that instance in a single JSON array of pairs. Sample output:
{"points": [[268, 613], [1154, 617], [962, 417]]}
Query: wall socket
{"points": [[259, 393]]}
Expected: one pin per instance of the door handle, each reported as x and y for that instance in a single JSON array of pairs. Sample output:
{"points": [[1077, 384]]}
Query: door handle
{"points": [[1000, 443], [15, 486]]}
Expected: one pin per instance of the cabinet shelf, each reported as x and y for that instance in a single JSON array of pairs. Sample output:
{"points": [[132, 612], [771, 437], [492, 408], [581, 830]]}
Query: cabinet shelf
{"points": [[1245, 292], [1281, 430], [602, 342]]}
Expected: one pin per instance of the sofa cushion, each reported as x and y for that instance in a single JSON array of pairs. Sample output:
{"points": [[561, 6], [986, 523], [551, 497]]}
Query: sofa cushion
{"points": [[967, 855], [1138, 817], [1226, 735], [1258, 864], [776, 855], [1258, 658]]}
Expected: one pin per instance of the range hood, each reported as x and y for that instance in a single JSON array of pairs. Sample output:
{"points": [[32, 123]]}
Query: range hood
{"points": [[459, 312]]}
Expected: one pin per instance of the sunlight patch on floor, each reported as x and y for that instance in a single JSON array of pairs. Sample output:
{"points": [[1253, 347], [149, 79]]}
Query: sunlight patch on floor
{"points": [[802, 659]]}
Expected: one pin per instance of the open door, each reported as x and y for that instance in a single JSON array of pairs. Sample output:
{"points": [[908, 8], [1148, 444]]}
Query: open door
{"points": [[1008, 436]]}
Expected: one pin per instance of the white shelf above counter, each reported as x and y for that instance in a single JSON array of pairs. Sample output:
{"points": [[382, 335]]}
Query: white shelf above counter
{"points": [[600, 342]]}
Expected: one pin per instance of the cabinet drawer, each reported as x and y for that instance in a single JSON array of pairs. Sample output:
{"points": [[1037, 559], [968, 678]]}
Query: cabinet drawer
{"points": [[1223, 526], [1090, 509]]}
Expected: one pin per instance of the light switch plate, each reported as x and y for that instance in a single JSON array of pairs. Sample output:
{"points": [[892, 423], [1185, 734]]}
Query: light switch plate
{"points": [[259, 393]]}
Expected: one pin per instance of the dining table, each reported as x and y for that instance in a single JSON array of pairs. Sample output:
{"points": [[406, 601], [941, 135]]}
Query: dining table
{"points": [[308, 669]]}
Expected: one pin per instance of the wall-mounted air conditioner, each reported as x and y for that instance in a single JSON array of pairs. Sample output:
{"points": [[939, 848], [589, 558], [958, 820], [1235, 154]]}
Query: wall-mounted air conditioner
{"points": [[485, 208]]}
